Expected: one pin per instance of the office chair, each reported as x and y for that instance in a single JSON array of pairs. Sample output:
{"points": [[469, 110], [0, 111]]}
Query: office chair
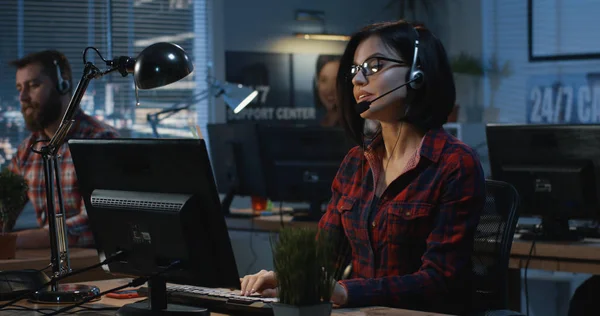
{"points": [[491, 253]]}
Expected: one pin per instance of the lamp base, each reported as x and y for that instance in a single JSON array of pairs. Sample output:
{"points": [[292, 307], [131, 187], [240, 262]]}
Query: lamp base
{"points": [[143, 309], [65, 294]]}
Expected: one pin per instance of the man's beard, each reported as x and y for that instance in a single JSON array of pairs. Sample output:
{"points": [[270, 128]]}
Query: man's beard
{"points": [[43, 115]]}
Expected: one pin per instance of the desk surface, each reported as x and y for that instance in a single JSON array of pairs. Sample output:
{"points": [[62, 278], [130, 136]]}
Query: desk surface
{"points": [[40, 258], [115, 303], [577, 257]]}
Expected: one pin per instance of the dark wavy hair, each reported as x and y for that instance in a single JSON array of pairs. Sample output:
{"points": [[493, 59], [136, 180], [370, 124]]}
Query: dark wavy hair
{"points": [[431, 104]]}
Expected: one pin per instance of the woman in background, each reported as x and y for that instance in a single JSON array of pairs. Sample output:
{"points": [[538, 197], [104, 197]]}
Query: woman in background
{"points": [[324, 89]]}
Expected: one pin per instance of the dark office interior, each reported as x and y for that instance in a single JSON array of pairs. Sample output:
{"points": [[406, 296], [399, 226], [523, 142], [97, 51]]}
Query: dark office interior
{"points": [[193, 131]]}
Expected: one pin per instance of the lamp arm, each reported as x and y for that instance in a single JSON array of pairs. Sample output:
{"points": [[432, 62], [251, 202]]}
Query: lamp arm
{"points": [[154, 118], [90, 71], [175, 108]]}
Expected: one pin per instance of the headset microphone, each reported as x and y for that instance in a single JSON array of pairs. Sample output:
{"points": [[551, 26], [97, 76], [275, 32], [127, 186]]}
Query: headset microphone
{"points": [[363, 106]]}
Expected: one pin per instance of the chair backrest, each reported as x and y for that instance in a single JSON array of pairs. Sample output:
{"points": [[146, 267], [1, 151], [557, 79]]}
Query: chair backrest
{"points": [[493, 242]]}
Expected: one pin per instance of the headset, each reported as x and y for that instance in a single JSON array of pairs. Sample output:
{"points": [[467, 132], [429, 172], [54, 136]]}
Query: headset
{"points": [[63, 86], [416, 77]]}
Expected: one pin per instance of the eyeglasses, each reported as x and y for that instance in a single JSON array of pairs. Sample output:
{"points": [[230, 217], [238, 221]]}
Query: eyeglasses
{"points": [[372, 66]]}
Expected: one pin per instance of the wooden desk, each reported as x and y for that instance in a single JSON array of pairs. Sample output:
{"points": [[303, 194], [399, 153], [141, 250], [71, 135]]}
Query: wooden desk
{"points": [[109, 302], [40, 258], [575, 257]]}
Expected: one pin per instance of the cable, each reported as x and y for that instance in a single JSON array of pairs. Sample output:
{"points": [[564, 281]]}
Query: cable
{"points": [[281, 214], [46, 311], [97, 52], [525, 276], [134, 283], [254, 256], [110, 259], [45, 268]]}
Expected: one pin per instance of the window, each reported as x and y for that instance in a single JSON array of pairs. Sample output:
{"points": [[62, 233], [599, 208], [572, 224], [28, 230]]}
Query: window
{"points": [[556, 89], [115, 28]]}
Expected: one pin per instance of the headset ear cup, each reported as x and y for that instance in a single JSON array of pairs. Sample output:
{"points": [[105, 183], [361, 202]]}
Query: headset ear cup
{"points": [[63, 86], [417, 78]]}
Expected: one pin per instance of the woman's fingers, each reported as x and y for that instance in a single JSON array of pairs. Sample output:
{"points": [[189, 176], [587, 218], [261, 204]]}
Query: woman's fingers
{"points": [[253, 283]]}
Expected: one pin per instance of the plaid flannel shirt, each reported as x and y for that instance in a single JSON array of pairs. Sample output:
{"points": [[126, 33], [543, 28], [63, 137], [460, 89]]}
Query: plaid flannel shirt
{"points": [[29, 165], [412, 249]]}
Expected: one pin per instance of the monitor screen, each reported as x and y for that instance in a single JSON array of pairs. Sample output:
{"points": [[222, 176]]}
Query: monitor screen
{"points": [[555, 169], [156, 200], [301, 162]]}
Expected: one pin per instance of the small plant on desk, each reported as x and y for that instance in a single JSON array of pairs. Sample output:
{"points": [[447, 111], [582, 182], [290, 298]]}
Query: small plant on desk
{"points": [[305, 265], [13, 195]]}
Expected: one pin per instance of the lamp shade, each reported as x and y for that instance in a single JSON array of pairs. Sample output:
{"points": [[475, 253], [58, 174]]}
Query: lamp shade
{"points": [[237, 96], [161, 64]]}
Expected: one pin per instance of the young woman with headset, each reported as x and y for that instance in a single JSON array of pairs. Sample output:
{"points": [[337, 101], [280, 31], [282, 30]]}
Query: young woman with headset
{"points": [[408, 198]]}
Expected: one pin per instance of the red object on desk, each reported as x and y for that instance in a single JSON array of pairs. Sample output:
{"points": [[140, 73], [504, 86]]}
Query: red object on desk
{"points": [[259, 203], [123, 294]]}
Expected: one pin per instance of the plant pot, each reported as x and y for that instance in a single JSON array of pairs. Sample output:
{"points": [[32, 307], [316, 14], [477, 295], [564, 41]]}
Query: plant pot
{"points": [[323, 309], [8, 246]]}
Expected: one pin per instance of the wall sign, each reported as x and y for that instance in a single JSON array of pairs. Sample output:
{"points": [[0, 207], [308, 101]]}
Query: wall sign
{"points": [[572, 99]]}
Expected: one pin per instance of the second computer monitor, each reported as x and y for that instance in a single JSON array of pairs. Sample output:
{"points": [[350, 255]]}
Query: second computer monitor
{"points": [[555, 169], [287, 163], [300, 163]]}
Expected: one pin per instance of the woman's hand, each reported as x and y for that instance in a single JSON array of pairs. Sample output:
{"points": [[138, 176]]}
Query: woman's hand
{"points": [[340, 295], [264, 282]]}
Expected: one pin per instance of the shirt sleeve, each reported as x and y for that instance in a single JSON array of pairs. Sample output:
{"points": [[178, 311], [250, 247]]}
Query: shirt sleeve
{"points": [[448, 246], [78, 231], [15, 162], [14, 166]]}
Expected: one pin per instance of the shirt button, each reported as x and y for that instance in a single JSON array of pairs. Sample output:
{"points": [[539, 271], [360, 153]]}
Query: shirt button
{"points": [[373, 224]]}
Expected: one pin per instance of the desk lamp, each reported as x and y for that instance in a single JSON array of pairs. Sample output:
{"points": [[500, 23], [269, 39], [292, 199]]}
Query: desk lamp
{"points": [[157, 65], [236, 96]]}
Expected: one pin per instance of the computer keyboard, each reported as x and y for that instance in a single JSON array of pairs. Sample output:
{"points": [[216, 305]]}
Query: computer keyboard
{"points": [[217, 300]]}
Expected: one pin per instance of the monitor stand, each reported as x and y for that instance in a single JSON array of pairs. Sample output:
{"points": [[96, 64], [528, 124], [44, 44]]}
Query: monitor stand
{"points": [[234, 183], [156, 304], [553, 229], [312, 214]]}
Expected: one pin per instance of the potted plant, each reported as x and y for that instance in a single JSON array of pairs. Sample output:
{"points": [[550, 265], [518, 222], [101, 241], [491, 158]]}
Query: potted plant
{"points": [[13, 195], [305, 265], [469, 68], [496, 73]]}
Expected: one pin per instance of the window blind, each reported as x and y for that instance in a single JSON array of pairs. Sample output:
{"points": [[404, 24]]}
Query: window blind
{"points": [[115, 28]]}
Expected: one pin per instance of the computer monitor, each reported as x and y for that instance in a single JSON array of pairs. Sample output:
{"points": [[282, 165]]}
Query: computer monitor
{"points": [[300, 164], [555, 169], [156, 201], [236, 159]]}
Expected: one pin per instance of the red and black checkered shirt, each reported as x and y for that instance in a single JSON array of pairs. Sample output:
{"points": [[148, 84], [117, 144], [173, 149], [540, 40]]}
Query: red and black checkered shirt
{"points": [[412, 246], [29, 165]]}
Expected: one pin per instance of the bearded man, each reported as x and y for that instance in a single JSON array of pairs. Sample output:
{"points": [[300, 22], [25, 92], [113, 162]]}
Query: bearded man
{"points": [[44, 83]]}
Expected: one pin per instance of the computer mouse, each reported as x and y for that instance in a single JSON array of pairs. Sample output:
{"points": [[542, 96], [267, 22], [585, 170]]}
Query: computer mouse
{"points": [[18, 282]]}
